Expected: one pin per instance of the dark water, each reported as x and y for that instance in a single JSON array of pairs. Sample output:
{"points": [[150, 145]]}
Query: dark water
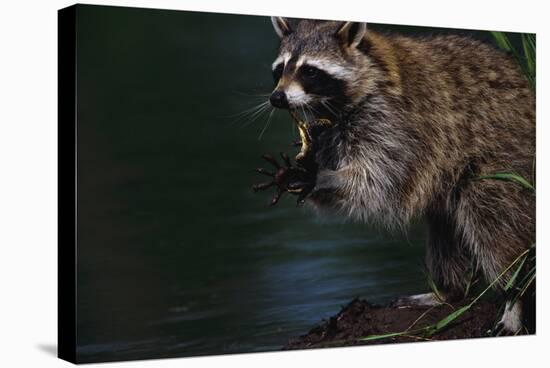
{"points": [[176, 255]]}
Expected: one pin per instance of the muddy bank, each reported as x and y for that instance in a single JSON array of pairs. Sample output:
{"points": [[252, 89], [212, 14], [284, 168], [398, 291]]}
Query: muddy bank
{"points": [[360, 319]]}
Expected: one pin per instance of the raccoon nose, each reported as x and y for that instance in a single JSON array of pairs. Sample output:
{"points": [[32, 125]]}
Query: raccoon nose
{"points": [[278, 99]]}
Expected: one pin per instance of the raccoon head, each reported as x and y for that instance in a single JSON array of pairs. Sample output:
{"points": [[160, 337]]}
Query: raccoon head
{"points": [[317, 71]]}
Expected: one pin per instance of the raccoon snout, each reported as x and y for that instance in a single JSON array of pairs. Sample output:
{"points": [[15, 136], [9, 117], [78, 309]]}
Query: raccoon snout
{"points": [[278, 99]]}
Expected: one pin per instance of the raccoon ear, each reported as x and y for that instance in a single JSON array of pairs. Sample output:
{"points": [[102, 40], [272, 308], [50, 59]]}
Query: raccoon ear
{"points": [[282, 26], [350, 34]]}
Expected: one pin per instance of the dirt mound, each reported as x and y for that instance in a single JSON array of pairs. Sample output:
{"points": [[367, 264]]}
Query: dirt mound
{"points": [[360, 319]]}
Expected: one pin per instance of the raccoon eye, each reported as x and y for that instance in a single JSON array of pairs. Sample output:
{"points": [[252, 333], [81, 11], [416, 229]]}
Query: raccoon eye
{"points": [[310, 71], [278, 72]]}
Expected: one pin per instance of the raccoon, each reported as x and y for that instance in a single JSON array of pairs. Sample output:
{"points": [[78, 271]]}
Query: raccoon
{"points": [[416, 122]]}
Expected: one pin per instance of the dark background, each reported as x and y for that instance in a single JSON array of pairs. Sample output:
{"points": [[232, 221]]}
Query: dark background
{"points": [[176, 255]]}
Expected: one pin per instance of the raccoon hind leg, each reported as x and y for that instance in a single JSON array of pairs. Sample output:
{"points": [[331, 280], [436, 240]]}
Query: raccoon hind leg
{"points": [[448, 261], [499, 221], [447, 264]]}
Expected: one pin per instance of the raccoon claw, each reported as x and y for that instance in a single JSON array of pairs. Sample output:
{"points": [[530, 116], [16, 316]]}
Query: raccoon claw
{"points": [[271, 160], [297, 186], [287, 178], [263, 186], [286, 159], [302, 198], [264, 172], [276, 197]]}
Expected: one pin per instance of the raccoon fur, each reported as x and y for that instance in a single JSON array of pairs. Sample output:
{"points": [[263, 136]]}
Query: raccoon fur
{"points": [[417, 122]]}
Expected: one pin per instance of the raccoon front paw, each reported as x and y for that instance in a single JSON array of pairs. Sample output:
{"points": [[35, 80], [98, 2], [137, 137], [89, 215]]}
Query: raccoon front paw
{"points": [[287, 178], [418, 300]]}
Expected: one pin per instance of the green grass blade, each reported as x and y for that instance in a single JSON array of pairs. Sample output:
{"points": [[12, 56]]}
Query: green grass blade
{"points": [[434, 289], [525, 58], [450, 318], [532, 43], [529, 52], [379, 337], [498, 277], [520, 284], [524, 285], [528, 283], [502, 41], [512, 280], [509, 177]]}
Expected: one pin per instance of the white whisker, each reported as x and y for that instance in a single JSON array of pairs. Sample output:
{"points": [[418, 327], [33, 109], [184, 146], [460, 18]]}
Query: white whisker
{"points": [[249, 115], [256, 115], [327, 105], [266, 124]]}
